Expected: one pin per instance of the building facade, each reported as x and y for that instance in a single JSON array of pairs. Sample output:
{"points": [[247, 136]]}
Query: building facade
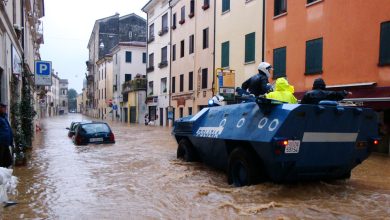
{"points": [[63, 108], [347, 43], [129, 61], [107, 34], [239, 37], [104, 86], [158, 67], [21, 35]]}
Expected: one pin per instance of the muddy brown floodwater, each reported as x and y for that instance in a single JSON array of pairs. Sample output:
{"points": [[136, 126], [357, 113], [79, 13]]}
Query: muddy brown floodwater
{"points": [[139, 177]]}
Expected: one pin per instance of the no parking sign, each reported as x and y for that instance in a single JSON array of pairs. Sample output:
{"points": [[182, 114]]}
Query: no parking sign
{"points": [[42, 73]]}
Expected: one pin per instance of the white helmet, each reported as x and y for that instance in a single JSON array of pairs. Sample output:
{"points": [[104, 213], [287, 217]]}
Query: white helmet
{"points": [[265, 68]]}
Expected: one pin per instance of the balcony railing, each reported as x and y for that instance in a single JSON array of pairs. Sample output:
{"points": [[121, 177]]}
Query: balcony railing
{"points": [[134, 85]]}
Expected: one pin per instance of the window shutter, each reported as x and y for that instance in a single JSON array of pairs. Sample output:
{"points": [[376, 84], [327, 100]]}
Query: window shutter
{"points": [[250, 47], [384, 54], [314, 56], [279, 62], [225, 54]]}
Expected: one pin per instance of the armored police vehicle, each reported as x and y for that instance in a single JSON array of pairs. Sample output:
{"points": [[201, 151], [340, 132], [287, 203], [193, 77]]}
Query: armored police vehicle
{"points": [[263, 140]]}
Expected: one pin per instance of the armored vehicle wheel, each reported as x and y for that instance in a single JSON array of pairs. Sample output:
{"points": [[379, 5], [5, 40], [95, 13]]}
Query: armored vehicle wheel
{"points": [[186, 151], [242, 170]]}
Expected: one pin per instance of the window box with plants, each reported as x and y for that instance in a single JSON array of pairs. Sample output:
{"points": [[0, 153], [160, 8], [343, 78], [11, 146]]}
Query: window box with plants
{"points": [[151, 39], [163, 31], [205, 7], [163, 64], [182, 21], [150, 69], [191, 15], [173, 27]]}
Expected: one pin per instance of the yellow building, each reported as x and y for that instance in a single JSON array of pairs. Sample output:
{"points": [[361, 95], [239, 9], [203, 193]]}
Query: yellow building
{"points": [[134, 95], [239, 34]]}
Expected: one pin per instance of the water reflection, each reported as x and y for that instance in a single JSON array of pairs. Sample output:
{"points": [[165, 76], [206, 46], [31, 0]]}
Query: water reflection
{"points": [[139, 177]]}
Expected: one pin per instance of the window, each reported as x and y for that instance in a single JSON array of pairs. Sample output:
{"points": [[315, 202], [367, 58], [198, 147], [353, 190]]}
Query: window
{"points": [[127, 77], [190, 81], [182, 48], [180, 112], [164, 54], [150, 88], [128, 56], [143, 57], [250, 47], [164, 22], [189, 110], [183, 14], [151, 60], [151, 31], [384, 54], [63, 103], [225, 5], [205, 38], [174, 21], [164, 85], [206, 4], [181, 83], [174, 52], [314, 56], [173, 84], [280, 7], [204, 78], [191, 44], [311, 1], [279, 62], [225, 54], [192, 9]]}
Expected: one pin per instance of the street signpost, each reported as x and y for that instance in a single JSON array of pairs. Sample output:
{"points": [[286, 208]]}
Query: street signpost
{"points": [[43, 73]]}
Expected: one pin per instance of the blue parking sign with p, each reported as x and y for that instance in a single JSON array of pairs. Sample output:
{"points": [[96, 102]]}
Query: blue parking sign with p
{"points": [[43, 68], [43, 73]]}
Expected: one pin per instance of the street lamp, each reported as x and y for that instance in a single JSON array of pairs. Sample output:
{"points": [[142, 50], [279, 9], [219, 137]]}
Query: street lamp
{"points": [[101, 46]]}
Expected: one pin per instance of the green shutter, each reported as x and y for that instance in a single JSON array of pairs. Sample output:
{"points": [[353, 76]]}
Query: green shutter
{"points": [[314, 56], [279, 62], [225, 54], [384, 54], [225, 5], [250, 47], [128, 56]]}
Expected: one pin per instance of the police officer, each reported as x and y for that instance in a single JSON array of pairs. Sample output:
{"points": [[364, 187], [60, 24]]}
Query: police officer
{"points": [[6, 137], [320, 93], [258, 84]]}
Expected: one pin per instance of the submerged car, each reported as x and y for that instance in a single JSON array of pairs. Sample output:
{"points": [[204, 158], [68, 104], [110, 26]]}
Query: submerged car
{"points": [[93, 132], [263, 140], [71, 128]]}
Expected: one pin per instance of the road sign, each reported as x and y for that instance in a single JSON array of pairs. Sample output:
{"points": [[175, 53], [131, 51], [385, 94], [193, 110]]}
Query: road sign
{"points": [[43, 73], [114, 107]]}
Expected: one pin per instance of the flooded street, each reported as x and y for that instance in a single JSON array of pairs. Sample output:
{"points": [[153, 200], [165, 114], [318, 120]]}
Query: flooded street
{"points": [[139, 177]]}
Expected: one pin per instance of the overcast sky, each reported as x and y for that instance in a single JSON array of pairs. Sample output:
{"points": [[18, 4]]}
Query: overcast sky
{"points": [[67, 26]]}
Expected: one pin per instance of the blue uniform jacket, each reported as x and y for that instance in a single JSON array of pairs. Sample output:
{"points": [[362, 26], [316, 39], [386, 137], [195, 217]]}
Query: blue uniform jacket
{"points": [[6, 136]]}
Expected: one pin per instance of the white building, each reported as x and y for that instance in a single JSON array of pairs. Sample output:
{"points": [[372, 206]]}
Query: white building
{"points": [[129, 60], [52, 101], [158, 71]]}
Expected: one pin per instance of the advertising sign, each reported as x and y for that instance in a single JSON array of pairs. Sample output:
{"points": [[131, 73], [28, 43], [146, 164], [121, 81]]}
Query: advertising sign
{"points": [[43, 73]]}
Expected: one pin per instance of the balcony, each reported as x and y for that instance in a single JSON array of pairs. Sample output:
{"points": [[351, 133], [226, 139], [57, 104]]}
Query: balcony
{"points": [[134, 85], [163, 64], [163, 31], [150, 69], [89, 64], [151, 39]]}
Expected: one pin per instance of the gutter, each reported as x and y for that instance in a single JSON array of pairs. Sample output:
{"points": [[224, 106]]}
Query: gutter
{"points": [[215, 31], [263, 35]]}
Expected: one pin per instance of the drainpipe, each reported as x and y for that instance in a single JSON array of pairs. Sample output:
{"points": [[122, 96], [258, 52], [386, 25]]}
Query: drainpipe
{"points": [[263, 37], [170, 63], [215, 31]]}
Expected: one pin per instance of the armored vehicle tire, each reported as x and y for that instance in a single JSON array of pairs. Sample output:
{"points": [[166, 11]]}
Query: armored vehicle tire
{"points": [[186, 151], [243, 168]]}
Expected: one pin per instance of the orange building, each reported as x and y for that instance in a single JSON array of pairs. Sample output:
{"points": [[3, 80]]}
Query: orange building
{"points": [[346, 42]]}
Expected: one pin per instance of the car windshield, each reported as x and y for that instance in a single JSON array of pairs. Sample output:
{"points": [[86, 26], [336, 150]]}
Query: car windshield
{"points": [[95, 128]]}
